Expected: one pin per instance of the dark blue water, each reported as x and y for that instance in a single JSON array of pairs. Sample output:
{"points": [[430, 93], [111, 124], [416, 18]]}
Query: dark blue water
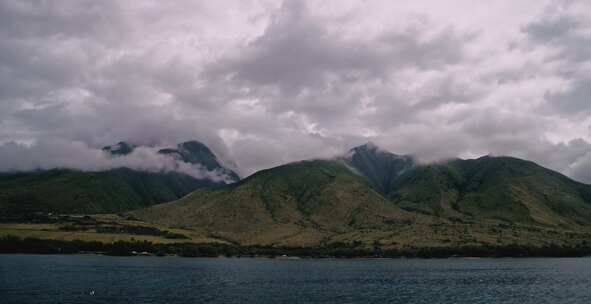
{"points": [[70, 279]]}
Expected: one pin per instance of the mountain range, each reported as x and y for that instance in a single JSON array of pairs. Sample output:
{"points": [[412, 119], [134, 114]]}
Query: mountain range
{"points": [[108, 191], [368, 197], [371, 196]]}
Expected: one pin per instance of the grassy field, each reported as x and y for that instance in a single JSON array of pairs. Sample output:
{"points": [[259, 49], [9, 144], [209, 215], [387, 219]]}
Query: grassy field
{"points": [[110, 228], [106, 228]]}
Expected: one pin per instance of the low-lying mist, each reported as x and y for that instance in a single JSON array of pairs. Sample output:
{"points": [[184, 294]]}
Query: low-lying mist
{"points": [[45, 155]]}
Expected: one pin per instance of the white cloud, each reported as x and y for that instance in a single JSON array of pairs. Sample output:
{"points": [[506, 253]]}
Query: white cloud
{"points": [[267, 82], [42, 155]]}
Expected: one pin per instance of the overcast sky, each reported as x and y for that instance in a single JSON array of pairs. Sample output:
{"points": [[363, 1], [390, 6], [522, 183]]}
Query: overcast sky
{"points": [[268, 82]]}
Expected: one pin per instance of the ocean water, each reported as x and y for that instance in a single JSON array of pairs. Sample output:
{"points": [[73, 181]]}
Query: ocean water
{"points": [[103, 279]]}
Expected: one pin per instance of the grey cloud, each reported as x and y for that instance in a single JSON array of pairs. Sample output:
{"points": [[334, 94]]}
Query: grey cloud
{"points": [[551, 30], [82, 19], [266, 83], [44, 155], [580, 169], [296, 52], [568, 34], [300, 69], [576, 100]]}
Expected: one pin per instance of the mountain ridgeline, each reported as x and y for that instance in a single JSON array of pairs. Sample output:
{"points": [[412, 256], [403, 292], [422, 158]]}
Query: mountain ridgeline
{"points": [[496, 188], [377, 198], [194, 152], [114, 190], [379, 167], [368, 198]]}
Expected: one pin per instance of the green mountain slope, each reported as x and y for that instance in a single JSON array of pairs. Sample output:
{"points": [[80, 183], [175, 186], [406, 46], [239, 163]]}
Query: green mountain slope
{"points": [[368, 198], [119, 149], [69, 191], [122, 189], [500, 188], [495, 188], [300, 203], [381, 168], [381, 199]]}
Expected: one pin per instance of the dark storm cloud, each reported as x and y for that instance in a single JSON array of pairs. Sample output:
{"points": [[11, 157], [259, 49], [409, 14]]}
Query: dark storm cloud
{"points": [[268, 82]]}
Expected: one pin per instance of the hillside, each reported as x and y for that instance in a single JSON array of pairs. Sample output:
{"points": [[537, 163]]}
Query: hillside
{"points": [[303, 203], [381, 199], [380, 168], [367, 199], [69, 191]]}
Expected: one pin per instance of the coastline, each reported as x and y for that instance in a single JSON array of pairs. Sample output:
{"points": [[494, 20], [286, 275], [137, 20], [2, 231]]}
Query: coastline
{"points": [[16, 245]]}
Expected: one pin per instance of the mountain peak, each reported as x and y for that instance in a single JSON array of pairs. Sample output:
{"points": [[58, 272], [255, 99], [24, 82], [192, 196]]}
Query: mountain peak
{"points": [[195, 152], [370, 145], [195, 146], [120, 148], [370, 148], [379, 166]]}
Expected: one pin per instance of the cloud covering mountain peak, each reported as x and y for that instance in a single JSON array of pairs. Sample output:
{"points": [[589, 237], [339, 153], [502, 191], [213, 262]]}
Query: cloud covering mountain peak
{"points": [[45, 155], [268, 82]]}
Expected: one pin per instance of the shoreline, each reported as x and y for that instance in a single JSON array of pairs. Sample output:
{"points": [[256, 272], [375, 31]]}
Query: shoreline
{"points": [[305, 258], [16, 245]]}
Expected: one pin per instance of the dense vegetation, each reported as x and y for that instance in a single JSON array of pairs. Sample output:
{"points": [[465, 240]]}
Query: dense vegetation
{"points": [[70, 191], [391, 199], [122, 189], [302, 202], [368, 203], [125, 229], [496, 188]]}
